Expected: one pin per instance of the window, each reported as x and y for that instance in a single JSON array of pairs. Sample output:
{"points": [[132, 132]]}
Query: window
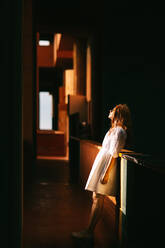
{"points": [[45, 111], [44, 43]]}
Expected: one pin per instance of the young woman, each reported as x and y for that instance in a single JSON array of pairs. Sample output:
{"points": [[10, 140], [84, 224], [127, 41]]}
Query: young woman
{"points": [[102, 179]]}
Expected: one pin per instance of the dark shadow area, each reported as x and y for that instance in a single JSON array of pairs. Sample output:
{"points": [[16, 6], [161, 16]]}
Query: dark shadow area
{"points": [[83, 243], [142, 223]]}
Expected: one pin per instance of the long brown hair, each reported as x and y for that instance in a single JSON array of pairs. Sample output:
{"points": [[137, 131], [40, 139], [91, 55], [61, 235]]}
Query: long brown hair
{"points": [[122, 117]]}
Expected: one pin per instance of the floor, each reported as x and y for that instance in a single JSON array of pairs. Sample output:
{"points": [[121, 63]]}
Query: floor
{"points": [[53, 208]]}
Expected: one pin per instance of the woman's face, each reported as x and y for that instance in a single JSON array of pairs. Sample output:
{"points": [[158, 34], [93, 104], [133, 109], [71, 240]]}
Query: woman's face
{"points": [[111, 114]]}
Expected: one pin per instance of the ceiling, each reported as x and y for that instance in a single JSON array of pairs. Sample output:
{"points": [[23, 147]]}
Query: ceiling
{"points": [[76, 17]]}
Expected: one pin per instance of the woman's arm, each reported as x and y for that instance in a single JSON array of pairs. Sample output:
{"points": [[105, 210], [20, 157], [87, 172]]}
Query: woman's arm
{"points": [[117, 143], [104, 178]]}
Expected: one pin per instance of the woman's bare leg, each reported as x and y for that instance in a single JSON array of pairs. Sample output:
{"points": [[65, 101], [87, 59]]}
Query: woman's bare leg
{"points": [[96, 211]]}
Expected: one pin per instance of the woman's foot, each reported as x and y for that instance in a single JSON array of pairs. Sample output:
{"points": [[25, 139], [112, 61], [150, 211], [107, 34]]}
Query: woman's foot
{"points": [[84, 234]]}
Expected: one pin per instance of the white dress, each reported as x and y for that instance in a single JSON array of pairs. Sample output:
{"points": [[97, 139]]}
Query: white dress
{"points": [[113, 142]]}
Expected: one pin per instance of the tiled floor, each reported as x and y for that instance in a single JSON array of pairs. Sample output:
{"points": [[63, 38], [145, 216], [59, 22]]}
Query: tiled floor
{"points": [[53, 208]]}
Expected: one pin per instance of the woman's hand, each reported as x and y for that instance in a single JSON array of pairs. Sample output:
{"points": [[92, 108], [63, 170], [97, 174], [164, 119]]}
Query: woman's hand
{"points": [[104, 179]]}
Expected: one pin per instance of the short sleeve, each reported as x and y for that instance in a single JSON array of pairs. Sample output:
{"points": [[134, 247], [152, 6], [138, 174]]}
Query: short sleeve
{"points": [[118, 141]]}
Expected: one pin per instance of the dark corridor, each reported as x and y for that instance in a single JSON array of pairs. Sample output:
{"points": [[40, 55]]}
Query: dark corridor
{"points": [[53, 208]]}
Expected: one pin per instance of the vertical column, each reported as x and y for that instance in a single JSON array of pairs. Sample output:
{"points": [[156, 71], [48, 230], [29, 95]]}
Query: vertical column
{"points": [[123, 202], [89, 82], [127, 220], [79, 66], [96, 86], [37, 88]]}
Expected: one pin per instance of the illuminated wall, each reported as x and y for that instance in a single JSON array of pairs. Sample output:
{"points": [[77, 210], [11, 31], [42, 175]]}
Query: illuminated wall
{"points": [[56, 44], [88, 74], [70, 88]]}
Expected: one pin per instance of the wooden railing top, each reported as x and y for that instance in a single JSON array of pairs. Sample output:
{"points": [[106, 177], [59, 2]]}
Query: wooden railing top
{"points": [[143, 160], [49, 132]]}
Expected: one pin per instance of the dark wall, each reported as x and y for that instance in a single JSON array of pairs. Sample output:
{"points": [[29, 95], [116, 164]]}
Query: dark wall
{"points": [[10, 141], [133, 72]]}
